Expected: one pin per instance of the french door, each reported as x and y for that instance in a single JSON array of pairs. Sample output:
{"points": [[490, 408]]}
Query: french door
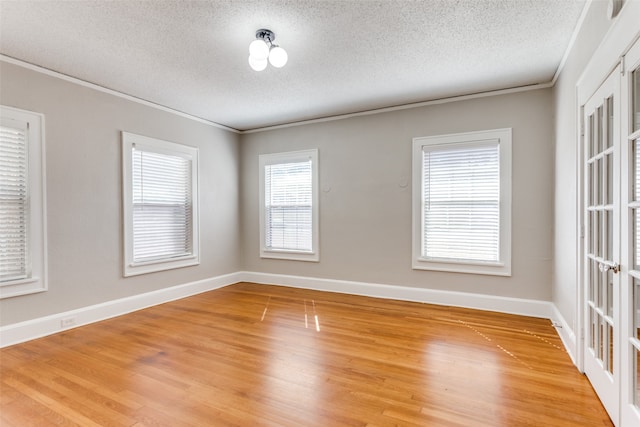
{"points": [[612, 241], [602, 248], [630, 224]]}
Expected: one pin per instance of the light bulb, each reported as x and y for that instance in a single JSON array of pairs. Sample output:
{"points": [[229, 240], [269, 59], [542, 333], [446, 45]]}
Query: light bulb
{"points": [[257, 64], [259, 49], [278, 57]]}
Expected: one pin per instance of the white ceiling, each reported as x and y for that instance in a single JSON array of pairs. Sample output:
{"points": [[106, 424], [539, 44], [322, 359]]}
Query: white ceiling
{"points": [[344, 55]]}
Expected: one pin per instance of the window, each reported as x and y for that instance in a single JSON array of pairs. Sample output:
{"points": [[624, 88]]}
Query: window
{"points": [[23, 265], [160, 190], [462, 202], [289, 205]]}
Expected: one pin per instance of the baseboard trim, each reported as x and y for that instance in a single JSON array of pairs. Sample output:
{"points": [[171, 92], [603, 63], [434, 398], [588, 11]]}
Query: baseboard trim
{"points": [[48, 325], [523, 307], [566, 333]]}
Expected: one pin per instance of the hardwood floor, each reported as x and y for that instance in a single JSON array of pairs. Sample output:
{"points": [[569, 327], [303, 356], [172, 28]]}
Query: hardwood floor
{"points": [[255, 355]]}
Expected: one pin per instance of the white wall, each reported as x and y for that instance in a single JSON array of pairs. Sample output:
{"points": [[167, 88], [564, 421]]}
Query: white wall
{"points": [[365, 198], [82, 133], [565, 284]]}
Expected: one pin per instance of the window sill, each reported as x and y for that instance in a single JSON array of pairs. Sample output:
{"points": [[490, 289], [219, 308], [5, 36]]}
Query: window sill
{"points": [[19, 281], [19, 287], [466, 267], [135, 269], [290, 255], [162, 261]]}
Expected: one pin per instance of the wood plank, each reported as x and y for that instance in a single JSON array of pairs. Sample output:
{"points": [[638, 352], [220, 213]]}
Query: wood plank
{"points": [[250, 354]]}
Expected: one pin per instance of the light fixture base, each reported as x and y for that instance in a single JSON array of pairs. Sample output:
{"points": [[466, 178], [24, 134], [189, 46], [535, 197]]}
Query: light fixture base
{"points": [[265, 35]]}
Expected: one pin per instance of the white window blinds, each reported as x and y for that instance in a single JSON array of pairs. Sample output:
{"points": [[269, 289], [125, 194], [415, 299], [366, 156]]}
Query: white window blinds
{"points": [[461, 202], [288, 206], [14, 195], [162, 205]]}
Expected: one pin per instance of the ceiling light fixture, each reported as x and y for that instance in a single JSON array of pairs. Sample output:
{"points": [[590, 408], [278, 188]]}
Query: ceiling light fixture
{"points": [[262, 49]]}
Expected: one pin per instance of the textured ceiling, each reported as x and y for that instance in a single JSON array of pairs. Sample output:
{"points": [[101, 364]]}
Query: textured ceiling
{"points": [[344, 55]]}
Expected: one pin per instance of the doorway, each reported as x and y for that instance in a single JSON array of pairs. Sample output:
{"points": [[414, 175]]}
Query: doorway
{"points": [[611, 254]]}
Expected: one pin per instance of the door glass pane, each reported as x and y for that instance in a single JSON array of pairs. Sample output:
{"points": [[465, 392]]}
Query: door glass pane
{"points": [[636, 99], [599, 130], [602, 229], [636, 325], [609, 276], [637, 376], [593, 275], [635, 180], [635, 213], [597, 233], [590, 180], [636, 306], [592, 143], [592, 329], [609, 139], [609, 166], [600, 290], [594, 183], [591, 216], [636, 238], [600, 337], [597, 182], [610, 347], [609, 235]]}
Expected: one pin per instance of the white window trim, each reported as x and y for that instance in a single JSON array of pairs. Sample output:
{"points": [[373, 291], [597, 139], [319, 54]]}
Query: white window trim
{"points": [[38, 206], [291, 157], [132, 268], [501, 268]]}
